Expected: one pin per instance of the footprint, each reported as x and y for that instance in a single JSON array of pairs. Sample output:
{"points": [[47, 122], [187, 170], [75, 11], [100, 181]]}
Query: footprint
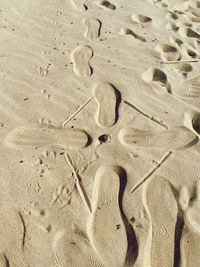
{"points": [[12, 239], [140, 19], [162, 209], [110, 234], [177, 138], [126, 31], [184, 68], [107, 5], [79, 5], [108, 99], [190, 88], [80, 57], [72, 248], [191, 53], [190, 238], [171, 15], [181, 7], [196, 12], [171, 26], [168, 52], [158, 79], [196, 45], [176, 41], [188, 32], [195, 19], [192, 122], [93, 26], [69, 138], [196, 15]]}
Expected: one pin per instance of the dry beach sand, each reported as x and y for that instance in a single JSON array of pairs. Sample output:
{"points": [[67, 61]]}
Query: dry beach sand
{"points": [[100, 127]]}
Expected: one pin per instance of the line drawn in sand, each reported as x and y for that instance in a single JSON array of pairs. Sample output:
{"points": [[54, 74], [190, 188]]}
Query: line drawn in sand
{"points": [[151, 172], [146, 114], [79, 186], [77, 111]]}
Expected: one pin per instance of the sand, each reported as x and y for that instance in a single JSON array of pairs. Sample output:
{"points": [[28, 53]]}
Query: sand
{"points": [[99, 133]]}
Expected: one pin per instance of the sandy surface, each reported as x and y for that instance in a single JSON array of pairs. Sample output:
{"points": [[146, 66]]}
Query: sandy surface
{"points": [[99, 133]]}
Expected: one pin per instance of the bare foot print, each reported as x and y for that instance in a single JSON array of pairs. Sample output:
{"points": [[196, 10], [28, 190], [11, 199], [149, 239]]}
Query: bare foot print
{"points": [[12, 239], [168, 52], [188, 32], [111, 235], [190, 239], [162, 209], [190, 88], [72, 248], [185, 69], [195, 15], [158, 79], [141, 19], [192, 121], [93, 26], [69, 138], [176, 138], [172, 26], [106, 4], [81, 60], [79, 4], [126, 31], [108, 99]]}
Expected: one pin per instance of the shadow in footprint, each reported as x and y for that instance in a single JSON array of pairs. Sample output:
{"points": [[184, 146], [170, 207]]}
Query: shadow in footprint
{"points": [[178, 229], [168, 52], [189, 243], [132, 251], [107, 4], [192, 121], [140, 18], [157, 77], [188, 32]]}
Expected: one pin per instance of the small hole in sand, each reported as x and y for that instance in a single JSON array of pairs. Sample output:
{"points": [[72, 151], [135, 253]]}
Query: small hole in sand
{"points": [[105, 138]]}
